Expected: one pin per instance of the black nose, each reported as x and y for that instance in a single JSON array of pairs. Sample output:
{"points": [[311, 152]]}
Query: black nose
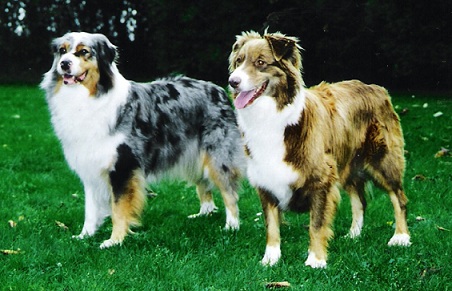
{"points": [[234, 82], [65, 65]]}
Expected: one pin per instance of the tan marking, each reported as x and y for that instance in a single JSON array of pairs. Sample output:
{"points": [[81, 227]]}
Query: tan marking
{"points": [[272, 215], [127, 209], [229, 196]]}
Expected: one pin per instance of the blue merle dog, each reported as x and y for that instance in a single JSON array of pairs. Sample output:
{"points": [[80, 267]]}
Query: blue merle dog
{"points": [[117, 134]]}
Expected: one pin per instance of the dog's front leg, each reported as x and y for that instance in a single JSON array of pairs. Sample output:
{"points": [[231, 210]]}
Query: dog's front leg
{"points": [[323, 209], [127, 203], [97, 207], [272, 215]]}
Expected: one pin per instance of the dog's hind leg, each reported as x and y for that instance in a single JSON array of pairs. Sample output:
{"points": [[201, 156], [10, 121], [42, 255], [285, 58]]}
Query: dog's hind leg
{"points": [[205, 199], [388, 174], [401, 236], [226, 179], [230, 199], [356, 192]]}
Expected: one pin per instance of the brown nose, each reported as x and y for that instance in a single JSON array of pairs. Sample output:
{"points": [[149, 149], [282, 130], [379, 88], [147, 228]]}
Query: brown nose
{"points": [[234, 82]]}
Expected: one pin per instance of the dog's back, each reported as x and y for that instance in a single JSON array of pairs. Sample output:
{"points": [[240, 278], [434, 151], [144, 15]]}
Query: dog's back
{"points": [[363, 122], [175, 115]]}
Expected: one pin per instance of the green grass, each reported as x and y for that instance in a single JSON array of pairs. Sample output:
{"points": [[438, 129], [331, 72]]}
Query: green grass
{"points": [[171, 252]]}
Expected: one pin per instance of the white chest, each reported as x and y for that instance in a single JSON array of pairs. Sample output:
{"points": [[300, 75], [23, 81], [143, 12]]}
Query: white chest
{"points": [[84, 126], [263, 127]]}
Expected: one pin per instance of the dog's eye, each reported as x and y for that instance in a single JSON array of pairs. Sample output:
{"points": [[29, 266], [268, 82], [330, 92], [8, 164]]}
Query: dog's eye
{"points": [[260, 63], [83, 52], [62, 50], [238, 61]]}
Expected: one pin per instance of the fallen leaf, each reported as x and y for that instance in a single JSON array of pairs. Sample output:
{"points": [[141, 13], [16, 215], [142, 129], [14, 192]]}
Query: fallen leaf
{"points": [[21, 218], [11, 252], [437, 114], [61, 225], [272, 285], [442, 228], [442, 153], [111, 271], [419, 177], [12, 223], [420, 218], [404, 111]]}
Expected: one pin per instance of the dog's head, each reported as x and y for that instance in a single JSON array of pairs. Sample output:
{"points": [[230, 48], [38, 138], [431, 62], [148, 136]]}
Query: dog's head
{"points": [[267, 65], [82, 59]]}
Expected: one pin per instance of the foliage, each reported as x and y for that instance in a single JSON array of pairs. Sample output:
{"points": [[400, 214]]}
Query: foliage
{"points": [[41, 206], [403, 45]]}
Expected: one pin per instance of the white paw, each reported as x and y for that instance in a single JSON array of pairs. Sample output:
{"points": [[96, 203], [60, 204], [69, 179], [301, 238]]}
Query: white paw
{"points": [[80, 236], [401, 239], [206, 209], [272, 255], [84, 234], [313, 262], [354, 232], [232, 222], [109, 243]]}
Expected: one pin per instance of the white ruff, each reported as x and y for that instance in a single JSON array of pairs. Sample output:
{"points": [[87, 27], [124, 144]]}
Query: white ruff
{"points": [[263, 126], [83, 123]]}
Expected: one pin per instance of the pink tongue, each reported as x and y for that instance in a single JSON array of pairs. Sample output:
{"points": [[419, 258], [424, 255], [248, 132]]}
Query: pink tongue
{"points": [[243, 98], [69, 79]]}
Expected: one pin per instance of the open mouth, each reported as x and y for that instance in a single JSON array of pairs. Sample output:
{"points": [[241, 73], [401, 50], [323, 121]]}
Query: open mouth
{"points": [[245, 98], [71, 79]]}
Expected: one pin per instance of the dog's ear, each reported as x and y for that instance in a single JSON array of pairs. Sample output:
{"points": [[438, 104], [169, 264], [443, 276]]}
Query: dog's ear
{"points": [[106, 54], [281, 46], [54, 44], [105, 50]]}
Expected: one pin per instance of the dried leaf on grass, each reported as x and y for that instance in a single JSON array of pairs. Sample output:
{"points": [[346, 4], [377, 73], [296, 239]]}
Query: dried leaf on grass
{"points": [[429, 271], [61, 225], [443, 152], [442, 228], [404, 111], [272, 285], [419, 177], [13, 224], [11, 252], [437, 114]]}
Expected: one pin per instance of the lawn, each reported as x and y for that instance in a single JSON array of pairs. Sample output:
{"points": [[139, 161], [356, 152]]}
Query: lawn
{"points": [[41, 207]]}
